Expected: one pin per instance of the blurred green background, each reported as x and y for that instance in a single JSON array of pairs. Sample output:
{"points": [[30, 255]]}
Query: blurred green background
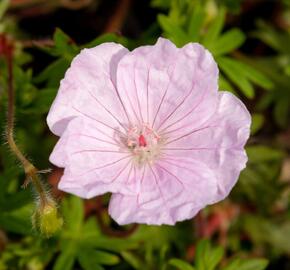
{"points": [[250, 40]]}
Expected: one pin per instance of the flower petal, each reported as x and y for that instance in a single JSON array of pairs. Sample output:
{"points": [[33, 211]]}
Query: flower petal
{"points": [[219, 143], [171, 190], [93, 161], [88, 89], [163, 85]]}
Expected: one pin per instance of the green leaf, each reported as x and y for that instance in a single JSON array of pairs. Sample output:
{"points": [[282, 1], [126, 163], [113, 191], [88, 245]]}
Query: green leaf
{"points": [[160, 236], [173, 31], [207, 258], [66, 259], [116, 245], [15, 201], [92, 237], [164, 4], [95, 257], [53, 73], [64, 45], [229, 67], [88, 263], [214, 29], [3, 7], [42, 102], [108, 37], [266, 232], [233, 6], [260, 153], [105, 258], [73, 214], [17, 221], [253, 264], [215, 257], [252, 74], [90, 229], [257, 122], [225, 85], [281, 111], [287, 70], [163, 253], [280, 96], [233, 265], [228, 42], [60, 38], [133, 260], [201, 256], [278, 40], [196, 22], [182, 265]]}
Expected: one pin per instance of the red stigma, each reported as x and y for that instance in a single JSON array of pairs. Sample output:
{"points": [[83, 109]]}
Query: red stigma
{"points": [[142, 141]]}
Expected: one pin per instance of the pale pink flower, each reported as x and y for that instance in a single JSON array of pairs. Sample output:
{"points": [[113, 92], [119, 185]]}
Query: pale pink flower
{"points": [[151, 127]]}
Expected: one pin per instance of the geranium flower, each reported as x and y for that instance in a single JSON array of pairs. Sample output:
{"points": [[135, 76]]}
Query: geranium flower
{"points": [[151, 127]]}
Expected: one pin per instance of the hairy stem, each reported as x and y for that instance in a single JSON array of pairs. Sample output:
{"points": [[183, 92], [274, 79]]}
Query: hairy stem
{"points": [[30, 170]]}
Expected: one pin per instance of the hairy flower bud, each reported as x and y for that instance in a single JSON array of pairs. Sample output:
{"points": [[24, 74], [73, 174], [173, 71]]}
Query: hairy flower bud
{"points": [[47, 220]]}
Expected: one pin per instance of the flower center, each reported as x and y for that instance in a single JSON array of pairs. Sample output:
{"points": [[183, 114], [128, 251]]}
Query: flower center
{"points": [[144, 144]]}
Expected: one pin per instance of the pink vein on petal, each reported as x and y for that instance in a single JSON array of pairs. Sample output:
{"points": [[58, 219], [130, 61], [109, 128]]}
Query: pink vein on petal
{"points": [[128, 177], [188, 134], [118, 94], [147, 93], [119, 173], [163, 97], [99, 151], [105, 165], [107, 110], [190, 149], [136, 91], [121, 101], [94, 138], [92, 118], [182, 118], [178, 180], [176, 108], [141, 181], [177, 165], [131, 105], [160, 191], [161, 102]]}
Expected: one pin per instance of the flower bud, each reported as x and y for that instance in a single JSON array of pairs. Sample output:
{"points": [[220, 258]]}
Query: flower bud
{"points": [[47, 219], [35, 263]]}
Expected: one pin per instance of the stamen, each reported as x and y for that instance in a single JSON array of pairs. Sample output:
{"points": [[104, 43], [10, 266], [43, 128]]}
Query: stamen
{"points": [[144, 144]]}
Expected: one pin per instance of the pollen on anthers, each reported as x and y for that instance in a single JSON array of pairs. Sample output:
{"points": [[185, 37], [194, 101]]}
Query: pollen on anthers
{"points": [[144, 144]]}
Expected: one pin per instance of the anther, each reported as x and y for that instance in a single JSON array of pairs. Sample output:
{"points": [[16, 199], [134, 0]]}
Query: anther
{"points": [[142, 141]]}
